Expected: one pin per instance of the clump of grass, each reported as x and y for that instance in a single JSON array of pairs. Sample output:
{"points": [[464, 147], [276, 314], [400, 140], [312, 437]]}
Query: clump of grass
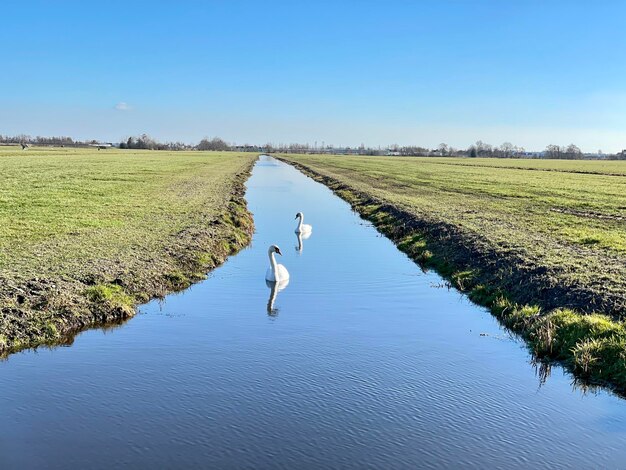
{"points": [[177, 279], [204, 260], [463, 279], [111, 295], [589, 241], [49, 331], [485, 295], [542, 336], [413, 244], [585, 355], [574, 327], [519, 318]]}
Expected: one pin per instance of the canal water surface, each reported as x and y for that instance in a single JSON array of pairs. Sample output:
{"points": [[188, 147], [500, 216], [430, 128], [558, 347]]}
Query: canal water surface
{"points": [[362, 361]]}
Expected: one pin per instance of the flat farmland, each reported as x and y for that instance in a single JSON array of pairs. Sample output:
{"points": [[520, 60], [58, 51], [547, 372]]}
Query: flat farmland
{"points": [[85, 234]]}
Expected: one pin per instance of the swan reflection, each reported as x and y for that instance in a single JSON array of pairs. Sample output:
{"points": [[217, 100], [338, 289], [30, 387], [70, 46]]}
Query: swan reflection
{"points": [[301, 236], [275, 288]]}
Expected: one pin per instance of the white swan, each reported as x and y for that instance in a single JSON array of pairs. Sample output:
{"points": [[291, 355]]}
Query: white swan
{"points": [[276, 272], [302, 227]]}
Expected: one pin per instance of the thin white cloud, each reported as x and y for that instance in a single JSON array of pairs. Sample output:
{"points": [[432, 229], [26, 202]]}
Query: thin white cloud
{"points": [[122, 106]]}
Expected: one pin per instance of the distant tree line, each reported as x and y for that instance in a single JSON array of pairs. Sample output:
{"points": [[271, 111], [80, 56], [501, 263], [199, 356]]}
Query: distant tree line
{"points": [[479, 149], [38, 140], [505, 150], [618, 156], [571, 152], [145, 142]]}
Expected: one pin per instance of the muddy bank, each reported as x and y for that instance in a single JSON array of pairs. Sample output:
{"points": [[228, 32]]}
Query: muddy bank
{"points": [[51, 310], [578, 325]]}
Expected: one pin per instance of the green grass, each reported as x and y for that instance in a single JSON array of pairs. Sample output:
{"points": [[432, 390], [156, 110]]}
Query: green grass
{"points": [[606, 167], [68, 207], [542, 243], [111, 295], [113, 227]]}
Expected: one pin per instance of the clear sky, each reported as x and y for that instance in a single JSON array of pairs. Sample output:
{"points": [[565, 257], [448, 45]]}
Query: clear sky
{"points": [[343, 72]]}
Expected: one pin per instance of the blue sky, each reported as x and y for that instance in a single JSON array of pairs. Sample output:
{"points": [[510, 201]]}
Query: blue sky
{"points": [[343, 72]]}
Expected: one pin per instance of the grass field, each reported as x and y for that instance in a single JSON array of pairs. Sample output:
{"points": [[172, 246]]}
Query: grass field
{"points": [[543, 243], [86, 234], [602, 167]]}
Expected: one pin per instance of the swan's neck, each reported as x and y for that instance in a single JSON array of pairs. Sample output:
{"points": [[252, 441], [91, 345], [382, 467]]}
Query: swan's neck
{"points": [[272, 261], [300, 221]]}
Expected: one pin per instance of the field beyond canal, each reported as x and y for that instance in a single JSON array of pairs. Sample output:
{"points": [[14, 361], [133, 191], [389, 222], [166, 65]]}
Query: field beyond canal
{"points": [[542, 243], [86, 235]]}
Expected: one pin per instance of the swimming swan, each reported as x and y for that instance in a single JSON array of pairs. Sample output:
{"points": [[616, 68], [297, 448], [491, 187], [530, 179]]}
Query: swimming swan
{"points": [[302, 228], [276, 272]]}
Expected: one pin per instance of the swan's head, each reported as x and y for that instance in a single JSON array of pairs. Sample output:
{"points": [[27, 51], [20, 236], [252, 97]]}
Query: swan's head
{"points": [[299, 214], [274, 249]]}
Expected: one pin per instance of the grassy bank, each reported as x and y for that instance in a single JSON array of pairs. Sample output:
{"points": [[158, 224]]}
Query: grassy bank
{"points": [[543, 244], [86, 235]]}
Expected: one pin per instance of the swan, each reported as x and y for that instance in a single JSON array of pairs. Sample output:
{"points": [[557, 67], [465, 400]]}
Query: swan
{"points": [[276, 272], [302, 228]]}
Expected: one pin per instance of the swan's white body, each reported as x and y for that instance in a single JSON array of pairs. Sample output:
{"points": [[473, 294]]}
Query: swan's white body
{"points": [[276, 272], [302, 227]]}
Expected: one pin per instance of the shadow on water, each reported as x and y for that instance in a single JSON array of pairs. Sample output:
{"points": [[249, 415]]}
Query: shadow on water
{"points": [[68, 340]]}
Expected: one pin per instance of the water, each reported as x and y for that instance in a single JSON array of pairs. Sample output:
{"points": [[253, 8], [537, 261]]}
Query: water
{"points": [[363, 361]]}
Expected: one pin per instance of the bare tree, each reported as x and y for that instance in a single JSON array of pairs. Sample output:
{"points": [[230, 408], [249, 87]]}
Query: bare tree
{"points": [[506, 150], [554, 151], [573, 152], [483, 149], [214, 144]]}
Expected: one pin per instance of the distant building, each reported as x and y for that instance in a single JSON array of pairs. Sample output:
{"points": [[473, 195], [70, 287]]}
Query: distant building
{"points": [[101, 145], [248, 148], [533, 154]]}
